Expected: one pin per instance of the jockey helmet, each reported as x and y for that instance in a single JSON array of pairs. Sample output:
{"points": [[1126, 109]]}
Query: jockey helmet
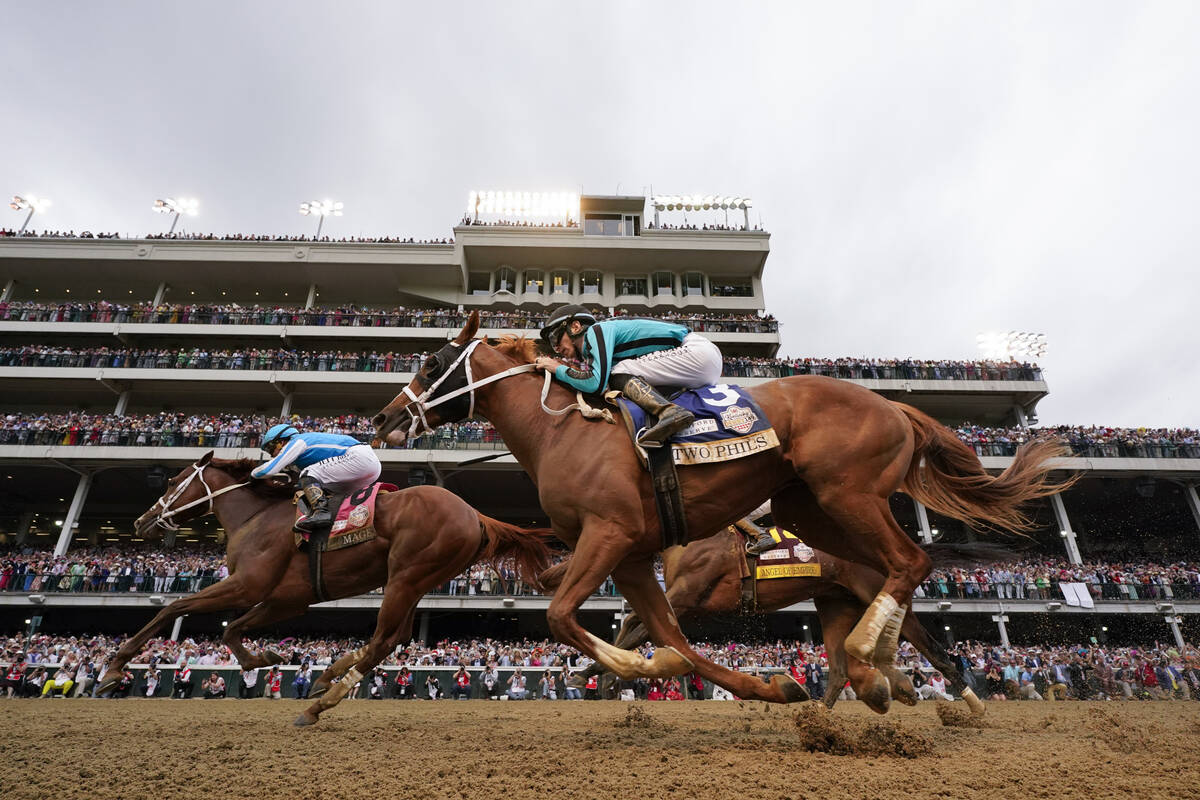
{"points": [[279, 433], [561, 317]]}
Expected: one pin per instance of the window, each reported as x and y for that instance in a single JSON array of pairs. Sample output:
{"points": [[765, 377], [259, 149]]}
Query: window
{"points": [[693, 284], [479, 283], [590, 282], [664, 284], [631, 285], [560, 282], [611, 225], [535, 281], [506, 280], [730, 287]]}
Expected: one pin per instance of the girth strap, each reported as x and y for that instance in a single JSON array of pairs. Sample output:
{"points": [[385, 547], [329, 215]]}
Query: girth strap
{"points": [[667, 497], [316, 551]]}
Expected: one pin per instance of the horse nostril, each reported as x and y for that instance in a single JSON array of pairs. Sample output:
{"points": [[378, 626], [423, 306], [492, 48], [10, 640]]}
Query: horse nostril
{"points": [[379, 419]]}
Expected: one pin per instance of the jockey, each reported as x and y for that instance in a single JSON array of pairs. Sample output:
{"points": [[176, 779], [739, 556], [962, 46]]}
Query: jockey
{"points": [[327, 461], [632, 356]]}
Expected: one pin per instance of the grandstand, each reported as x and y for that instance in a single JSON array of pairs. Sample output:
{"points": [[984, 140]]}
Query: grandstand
{"points": [[250, 329]]}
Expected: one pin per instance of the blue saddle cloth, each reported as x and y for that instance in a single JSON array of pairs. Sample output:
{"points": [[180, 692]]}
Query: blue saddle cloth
{"points": [[728, 425]]}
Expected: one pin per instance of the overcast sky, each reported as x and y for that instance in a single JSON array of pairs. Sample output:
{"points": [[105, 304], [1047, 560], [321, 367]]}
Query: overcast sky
{"points": [[927, 172]]}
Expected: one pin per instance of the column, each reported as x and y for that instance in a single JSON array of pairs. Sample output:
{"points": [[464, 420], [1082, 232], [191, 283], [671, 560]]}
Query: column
{"points": [[1173, 622], [423, 630], [1193, 501], [122, 403], [286, 409], [1019, 416], [1064, 526], [23, 526], [6, 295], [807, 634], [159, 293], [923, 522], [178, 627], [1001, 619], [312, 296], [169, 538], [81, 492]]}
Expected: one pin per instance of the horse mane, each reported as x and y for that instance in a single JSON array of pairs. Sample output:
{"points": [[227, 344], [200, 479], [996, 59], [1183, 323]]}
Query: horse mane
{"points": [[239, 469], [520, 348]]}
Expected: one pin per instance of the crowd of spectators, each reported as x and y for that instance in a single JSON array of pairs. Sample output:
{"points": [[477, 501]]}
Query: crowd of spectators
{"points": [[1040, 579], [227, 237], [1093, 441], [881, 369], [708, 226], [1083, 671], [341, 316], [470, 221], [92, 569]]}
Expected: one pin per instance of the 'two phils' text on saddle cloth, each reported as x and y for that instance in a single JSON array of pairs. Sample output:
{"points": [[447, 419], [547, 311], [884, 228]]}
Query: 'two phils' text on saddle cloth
{"points": [[355, 519], [729, 425]]}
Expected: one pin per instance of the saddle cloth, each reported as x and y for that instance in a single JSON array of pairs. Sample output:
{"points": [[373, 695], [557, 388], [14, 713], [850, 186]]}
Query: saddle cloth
{"points": [[729, 425], [354, 522], [789, 558]]}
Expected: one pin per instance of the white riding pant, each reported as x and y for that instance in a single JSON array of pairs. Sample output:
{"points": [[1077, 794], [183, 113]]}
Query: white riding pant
{"points": [[696, 362], [352, 470]]}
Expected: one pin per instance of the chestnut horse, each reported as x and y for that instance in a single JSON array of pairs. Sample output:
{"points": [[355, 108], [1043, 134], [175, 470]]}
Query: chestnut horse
{"points": [[706, 578], [425, 536], [844, 451]]}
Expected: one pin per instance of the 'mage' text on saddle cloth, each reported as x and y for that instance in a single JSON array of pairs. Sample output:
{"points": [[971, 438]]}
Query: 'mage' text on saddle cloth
{"points": [[729, 425], [355, 520]]}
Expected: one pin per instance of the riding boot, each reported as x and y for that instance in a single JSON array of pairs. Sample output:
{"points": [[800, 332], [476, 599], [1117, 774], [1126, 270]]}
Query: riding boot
{"points": [[671, 418], [763, 542], [318, 516]]}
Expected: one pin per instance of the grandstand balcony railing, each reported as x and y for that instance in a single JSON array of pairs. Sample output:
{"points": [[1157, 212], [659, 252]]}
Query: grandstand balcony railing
{"points": [[1101, 449], [1045, 591], [334, 318]]}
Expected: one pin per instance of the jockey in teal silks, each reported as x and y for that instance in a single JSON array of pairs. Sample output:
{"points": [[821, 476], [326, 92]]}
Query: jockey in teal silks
{"points": [[327, 461], [632, 356]]}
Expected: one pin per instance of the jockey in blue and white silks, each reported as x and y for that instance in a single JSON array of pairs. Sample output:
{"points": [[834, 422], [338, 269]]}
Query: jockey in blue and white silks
{"points": [[327, 461], [632, 356]]}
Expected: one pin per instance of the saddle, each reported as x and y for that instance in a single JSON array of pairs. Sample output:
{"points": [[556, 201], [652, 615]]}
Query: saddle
{"points": [[354, 523], [729, 425]]}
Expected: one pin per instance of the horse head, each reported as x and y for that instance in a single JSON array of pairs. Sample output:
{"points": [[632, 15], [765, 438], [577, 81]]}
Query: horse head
{"points": [[442, 373], [190, 494]]}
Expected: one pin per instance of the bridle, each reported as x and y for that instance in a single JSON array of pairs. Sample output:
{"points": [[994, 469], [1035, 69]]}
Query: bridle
{"points": [[423, 402], [418, 424], [165, 515]]}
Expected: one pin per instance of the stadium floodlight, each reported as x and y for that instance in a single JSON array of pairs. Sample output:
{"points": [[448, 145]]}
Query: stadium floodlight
{"points": [[177, 207], [523, 205], [32, 203], [1011, 345], [321, 209]]}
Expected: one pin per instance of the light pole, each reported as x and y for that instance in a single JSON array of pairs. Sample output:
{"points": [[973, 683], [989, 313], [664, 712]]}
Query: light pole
{"points": [[30, 202], [184, 205], [321, 209]]}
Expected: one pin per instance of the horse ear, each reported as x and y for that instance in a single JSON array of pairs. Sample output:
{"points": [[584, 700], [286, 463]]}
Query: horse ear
{"points": [[204, 459], [469, 330]]}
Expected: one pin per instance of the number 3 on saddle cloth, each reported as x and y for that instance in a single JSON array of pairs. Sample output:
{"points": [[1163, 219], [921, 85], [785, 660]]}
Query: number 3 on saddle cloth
{"points": [[354, 522], [729, 425]]}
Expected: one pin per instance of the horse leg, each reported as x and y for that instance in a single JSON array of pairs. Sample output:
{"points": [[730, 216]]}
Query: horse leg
{"points": [[229, 593], [637, 583], [838, 612], [597, 554], [927, 646], [273, 609], [865, 520], [393, 624]]}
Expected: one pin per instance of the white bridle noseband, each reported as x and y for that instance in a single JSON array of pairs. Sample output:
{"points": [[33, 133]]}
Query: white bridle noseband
{"points": [[166, 513]]}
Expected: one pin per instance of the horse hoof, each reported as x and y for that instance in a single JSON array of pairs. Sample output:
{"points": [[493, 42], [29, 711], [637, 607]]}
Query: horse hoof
{"points": [[878, 697], [902, 690], [304, 720], [792, 691], [273, 658]]}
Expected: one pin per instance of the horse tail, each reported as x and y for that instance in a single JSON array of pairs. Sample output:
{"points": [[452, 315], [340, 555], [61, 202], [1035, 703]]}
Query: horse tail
{"points": [[948, 477], [526, 546]]}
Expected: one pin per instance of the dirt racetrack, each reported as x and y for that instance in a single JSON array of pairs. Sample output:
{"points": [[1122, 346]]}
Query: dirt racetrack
{"points": [[65, 749]]}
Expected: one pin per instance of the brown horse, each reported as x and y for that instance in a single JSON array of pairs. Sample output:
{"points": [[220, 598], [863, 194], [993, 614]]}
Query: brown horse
{"points": [[706, 578], [425, 536], [844, 451]]}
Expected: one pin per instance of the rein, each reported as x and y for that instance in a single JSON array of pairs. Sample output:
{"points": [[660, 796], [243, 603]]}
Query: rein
{"points": [[426, 400], [164, 517]]}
